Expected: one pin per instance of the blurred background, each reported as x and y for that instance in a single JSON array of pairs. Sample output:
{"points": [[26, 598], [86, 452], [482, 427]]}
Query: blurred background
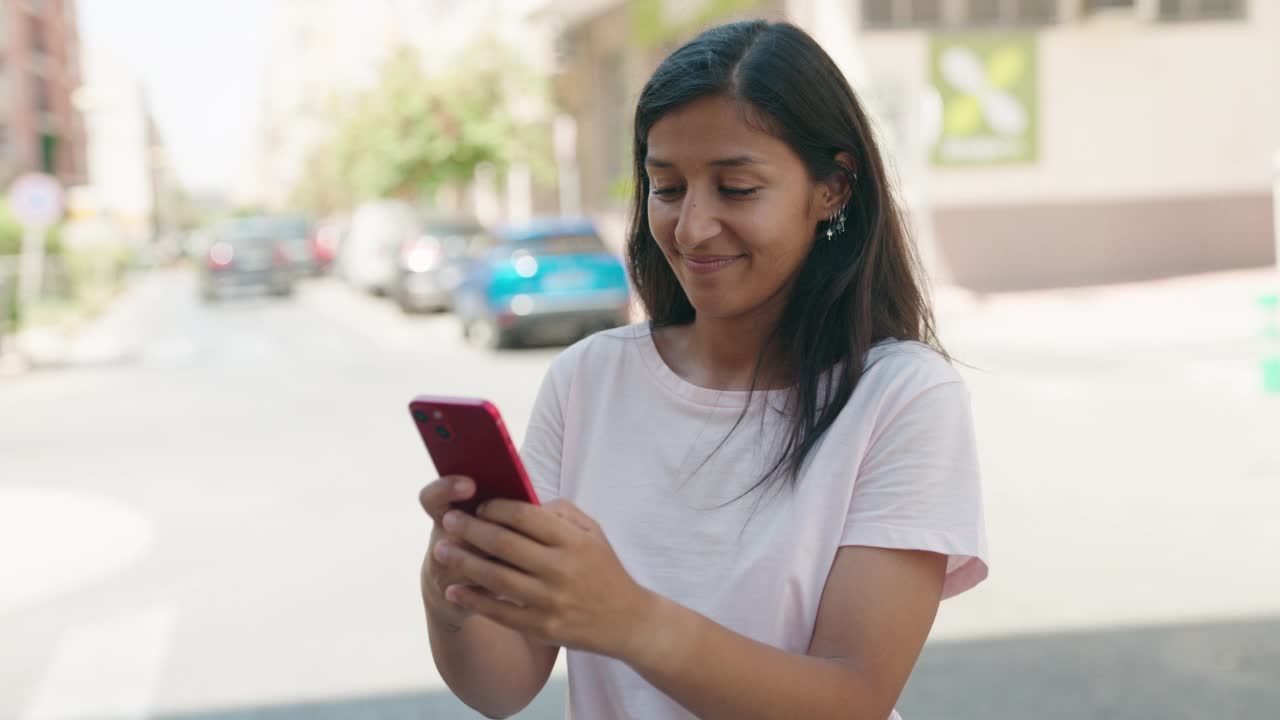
{"points": [[237, 237]]}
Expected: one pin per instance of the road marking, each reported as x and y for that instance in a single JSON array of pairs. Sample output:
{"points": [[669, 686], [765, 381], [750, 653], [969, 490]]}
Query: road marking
{"points": [[107, 669], [55, 542]]}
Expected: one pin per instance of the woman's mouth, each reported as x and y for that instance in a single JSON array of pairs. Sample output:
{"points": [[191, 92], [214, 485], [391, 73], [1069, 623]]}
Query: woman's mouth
{"points": [[707, 264]]}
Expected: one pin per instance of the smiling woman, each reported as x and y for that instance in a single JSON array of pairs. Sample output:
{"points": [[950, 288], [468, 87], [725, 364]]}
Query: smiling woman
{"points": [[753, 503]]}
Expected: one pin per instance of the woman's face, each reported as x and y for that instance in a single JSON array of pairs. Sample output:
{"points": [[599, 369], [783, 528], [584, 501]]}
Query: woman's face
{"points": [[733, 208]]}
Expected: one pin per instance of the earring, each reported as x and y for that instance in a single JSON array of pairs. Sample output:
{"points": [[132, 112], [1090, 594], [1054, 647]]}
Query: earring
{"points": [[836, 223]]}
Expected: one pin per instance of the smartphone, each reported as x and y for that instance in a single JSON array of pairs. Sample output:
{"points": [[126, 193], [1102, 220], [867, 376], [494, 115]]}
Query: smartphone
{"points": [[466, 436]]}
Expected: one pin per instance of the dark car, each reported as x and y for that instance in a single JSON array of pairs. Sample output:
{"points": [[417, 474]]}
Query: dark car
{"points": [[248, 254], [548, 280], [293, 234], [434, 262]]}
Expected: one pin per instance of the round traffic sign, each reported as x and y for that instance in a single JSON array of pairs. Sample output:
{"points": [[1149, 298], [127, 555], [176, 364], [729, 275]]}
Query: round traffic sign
{"points": [[36, 199]]}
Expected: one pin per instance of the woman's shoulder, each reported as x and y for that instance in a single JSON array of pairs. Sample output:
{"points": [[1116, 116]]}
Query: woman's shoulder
{"points": [[599, 351], [907, 366]]}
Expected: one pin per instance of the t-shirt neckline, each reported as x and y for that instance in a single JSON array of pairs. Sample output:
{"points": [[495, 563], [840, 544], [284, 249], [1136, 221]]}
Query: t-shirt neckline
{"points": [[685, 390]]}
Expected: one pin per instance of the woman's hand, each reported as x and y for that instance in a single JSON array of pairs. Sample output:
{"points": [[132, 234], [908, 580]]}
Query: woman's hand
{"points": [[548, 572], [435, 576]]}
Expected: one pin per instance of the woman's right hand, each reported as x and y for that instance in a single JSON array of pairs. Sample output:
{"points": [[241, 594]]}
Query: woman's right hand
{"points": [[435, 577]]}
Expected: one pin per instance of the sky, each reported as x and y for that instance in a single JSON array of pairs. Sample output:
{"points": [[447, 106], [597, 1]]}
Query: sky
{"points": [[200, 63]]}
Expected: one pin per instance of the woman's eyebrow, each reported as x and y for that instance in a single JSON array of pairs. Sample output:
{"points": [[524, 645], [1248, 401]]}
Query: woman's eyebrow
{"points": [[735, 161]]}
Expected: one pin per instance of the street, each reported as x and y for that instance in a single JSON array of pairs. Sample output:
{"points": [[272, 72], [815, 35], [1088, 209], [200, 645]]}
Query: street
{"points": [[211, 512]]}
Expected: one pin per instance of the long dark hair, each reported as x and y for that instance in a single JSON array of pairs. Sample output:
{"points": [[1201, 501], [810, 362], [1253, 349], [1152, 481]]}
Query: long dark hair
{"points": [[859, 287]]}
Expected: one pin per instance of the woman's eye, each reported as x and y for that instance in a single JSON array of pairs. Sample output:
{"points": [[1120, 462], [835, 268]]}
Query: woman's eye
{"points": [[665, 191], [739, 192]]}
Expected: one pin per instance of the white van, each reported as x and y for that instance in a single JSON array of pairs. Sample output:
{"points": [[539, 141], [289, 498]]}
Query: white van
{"points": [[370, 255]]}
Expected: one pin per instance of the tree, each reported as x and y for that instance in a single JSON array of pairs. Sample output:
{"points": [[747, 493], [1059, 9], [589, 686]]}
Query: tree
{"points": [[412, 133]]}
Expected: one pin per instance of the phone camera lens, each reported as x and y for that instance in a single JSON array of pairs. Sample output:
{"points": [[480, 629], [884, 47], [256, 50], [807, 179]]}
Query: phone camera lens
{"points": [[443, 432], [420, 416]]}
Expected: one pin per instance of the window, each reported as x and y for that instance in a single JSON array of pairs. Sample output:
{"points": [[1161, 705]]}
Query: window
{"points": [[1174, 10], [565, 244], [1037, 12], [1093, 6], [925, 13], [877, 13], [899, 14], [35, 34], [40, 91], [985, 12], [989, 13]]}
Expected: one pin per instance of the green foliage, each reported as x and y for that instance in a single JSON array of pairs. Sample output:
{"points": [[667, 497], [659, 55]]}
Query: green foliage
{"points": [[95, 270], [649, 29], [12, 314], [622, 188], [412, 133], [10, 231]]}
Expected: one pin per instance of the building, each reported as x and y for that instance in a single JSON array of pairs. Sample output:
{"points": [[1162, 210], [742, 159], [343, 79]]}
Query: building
{"points": [[1039, 142], [40, 129], [325, 51], [126, 164]]}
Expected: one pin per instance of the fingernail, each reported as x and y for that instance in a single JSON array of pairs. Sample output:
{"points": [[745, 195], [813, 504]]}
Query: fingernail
{"points": [[462, 485], [442, 550], [451, 519]]}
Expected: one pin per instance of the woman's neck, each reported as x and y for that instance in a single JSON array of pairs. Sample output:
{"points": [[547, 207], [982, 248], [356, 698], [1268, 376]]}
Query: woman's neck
{"points": [[723, 353]]}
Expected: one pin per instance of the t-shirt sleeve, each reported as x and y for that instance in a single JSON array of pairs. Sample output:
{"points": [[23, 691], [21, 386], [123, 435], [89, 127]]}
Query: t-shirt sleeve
{"points": [[918, 486], [544, 437]]}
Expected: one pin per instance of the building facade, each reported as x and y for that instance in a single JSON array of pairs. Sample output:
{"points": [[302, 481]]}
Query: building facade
{"points": [[1038, 143], [126, 169], [40, 128]]}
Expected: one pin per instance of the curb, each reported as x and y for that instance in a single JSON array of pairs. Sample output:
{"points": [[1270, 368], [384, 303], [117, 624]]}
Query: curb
{"points": [[46, 348]]}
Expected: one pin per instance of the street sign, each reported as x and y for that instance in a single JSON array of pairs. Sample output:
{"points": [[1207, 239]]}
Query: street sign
{"points": [[36, 200]]}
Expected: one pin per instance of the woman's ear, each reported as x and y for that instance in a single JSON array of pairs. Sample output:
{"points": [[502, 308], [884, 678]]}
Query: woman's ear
{"points": [[836, 190]]}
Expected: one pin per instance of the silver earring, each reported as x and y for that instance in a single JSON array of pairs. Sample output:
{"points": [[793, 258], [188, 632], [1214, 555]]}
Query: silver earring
{"points": [[836, 223]]}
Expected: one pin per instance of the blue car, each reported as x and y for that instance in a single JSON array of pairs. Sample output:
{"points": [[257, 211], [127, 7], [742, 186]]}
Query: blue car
{"points": [[548, 281]]}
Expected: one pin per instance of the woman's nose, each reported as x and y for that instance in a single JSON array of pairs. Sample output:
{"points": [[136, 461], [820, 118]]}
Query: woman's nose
{"points": [[697, 222]]}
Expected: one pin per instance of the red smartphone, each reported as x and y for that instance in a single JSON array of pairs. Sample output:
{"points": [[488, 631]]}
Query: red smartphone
{"points": [[466, 436]]}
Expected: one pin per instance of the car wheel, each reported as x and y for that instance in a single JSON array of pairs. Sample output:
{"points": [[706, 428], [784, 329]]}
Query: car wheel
{"points": [[407, 306], [485, 334]]}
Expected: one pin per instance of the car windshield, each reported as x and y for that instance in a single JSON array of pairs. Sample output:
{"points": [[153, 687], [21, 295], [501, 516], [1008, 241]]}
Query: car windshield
{"points": [[574, 244], [461, 240], [246, 232], [289, 228]]}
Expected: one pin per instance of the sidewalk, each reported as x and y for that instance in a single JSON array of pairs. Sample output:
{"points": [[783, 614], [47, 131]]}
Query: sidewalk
{"points": [[1206, 308], [90, 338]]}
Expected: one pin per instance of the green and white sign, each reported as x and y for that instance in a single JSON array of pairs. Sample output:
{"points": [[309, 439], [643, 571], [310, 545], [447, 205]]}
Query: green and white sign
{"points": [[989, 110]]}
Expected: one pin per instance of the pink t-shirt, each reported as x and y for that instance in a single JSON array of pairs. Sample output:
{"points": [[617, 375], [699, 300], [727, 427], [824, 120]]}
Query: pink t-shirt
{"points": [[618, 433]]}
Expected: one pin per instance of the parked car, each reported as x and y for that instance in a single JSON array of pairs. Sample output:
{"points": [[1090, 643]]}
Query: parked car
{"points": [[548, 280], [292, 234], [246, 254], [433, 263], [326, 241], [369, 256]]}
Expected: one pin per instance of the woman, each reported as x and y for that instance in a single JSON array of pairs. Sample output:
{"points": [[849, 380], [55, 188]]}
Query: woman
{"points": [[754, 503]]}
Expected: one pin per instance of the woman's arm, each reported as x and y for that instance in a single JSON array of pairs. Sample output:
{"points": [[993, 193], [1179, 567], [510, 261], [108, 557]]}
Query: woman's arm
{"points": [[570, 589], [493, 669], [875, 614]]}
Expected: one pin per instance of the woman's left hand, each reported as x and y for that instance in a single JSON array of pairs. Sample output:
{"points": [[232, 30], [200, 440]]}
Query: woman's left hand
{"points": [[551, 575]]}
